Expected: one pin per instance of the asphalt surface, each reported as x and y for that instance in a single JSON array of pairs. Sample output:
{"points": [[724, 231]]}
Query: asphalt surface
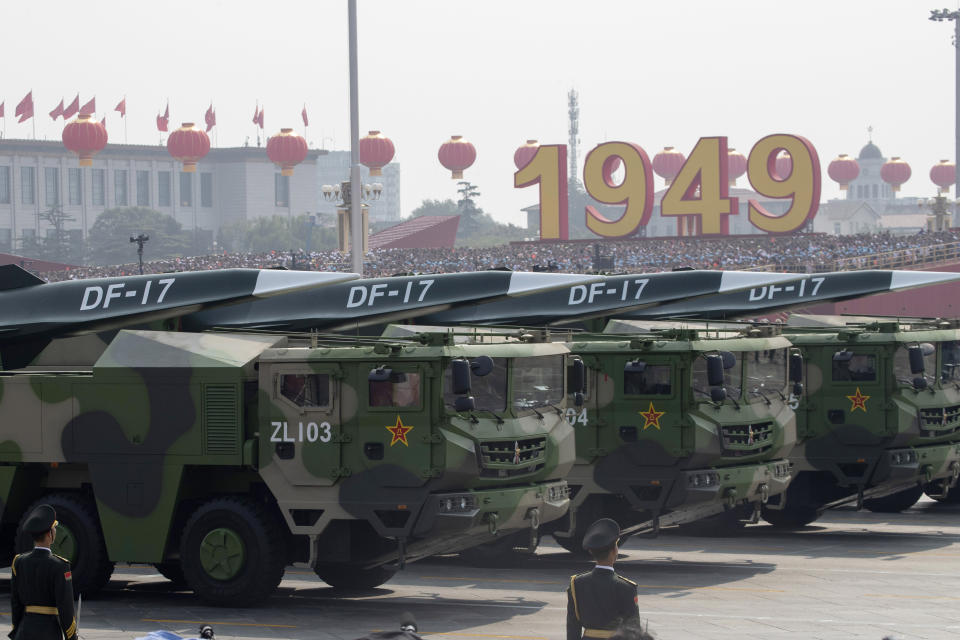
{"points": [[849, 575]]}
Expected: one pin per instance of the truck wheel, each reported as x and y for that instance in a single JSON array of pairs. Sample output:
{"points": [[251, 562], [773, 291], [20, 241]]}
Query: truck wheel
{"points": [[573, 544], [345, 576], [231, 552], [79, 540], [172, 571], [790, 518], [895, 502], [502, 552], [952, 497]]}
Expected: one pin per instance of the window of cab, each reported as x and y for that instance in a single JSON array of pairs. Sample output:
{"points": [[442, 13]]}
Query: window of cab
{"points": [[305, 390], [645, 379], [850, 366], [398, 389]]}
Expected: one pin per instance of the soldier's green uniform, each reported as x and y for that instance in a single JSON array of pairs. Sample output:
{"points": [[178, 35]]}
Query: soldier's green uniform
{"points": [[41, 590], [599, 600]]}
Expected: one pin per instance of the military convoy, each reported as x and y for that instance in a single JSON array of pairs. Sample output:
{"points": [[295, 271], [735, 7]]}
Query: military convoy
{"points": [[221, 456]]}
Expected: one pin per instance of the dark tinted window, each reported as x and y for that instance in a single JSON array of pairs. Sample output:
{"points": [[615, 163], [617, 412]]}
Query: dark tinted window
{"points": [[654, 380], [306, 390]]}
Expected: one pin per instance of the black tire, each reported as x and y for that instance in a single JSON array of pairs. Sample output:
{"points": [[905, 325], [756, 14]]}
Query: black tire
{"points": [[262, 565], [346, 576], [172, 571], [795, 518], [79, 527], [952, 497], [895, 502], [573, 544]]}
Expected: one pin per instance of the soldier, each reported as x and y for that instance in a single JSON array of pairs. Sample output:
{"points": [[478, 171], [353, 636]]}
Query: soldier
{"points": [[600, 600], [41, 590]]}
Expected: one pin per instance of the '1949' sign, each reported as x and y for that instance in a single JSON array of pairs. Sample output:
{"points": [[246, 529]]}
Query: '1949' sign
{"points": [[698, 193]]}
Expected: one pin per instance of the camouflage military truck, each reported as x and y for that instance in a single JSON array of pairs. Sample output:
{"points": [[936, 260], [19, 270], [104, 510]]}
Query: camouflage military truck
{"points": [[878, 419], [677, 426], [222, 457]]}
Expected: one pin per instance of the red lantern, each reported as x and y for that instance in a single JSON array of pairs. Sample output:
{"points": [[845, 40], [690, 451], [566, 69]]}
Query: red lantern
{"points": [[736, 166], [85, 137], [376, 152], [456, 154], [287, 150], [524, 154], [783, 166], [895, 172], [188, 145], [843, 170], [667, 163], [943, 174]]}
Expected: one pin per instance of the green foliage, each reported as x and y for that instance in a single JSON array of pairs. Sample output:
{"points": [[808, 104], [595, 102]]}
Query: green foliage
{"points": [[277, 233], [109, 238], [476, 228], [435, 208]]}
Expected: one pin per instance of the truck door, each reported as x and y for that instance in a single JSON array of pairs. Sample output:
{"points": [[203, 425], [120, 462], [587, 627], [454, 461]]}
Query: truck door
{"points": [[855, 407], [650, 396], [394, 428], [300, 425]]}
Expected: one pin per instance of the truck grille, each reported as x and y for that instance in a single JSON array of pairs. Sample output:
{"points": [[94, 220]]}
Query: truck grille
{"points": [[746, 439], [940, 421], [512, 457]]}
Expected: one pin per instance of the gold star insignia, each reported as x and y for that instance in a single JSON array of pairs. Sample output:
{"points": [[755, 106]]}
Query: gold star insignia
{"points": [[858, 401], [652, 417], [399, 433]]}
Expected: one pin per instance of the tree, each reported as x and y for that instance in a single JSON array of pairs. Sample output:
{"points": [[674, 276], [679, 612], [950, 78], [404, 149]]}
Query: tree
{"points": [[435, 208], [277, 233], [109, 237], [60, 246]]}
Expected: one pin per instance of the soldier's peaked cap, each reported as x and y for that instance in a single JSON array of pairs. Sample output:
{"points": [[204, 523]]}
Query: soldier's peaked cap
{"points": [[40, 519], [601, 534]]}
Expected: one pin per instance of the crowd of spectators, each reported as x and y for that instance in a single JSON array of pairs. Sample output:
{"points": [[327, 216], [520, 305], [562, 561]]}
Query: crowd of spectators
{"points": [[797, 253]]}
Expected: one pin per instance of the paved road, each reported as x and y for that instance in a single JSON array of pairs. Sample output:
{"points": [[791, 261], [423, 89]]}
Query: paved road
{"points": [[850, 575]]}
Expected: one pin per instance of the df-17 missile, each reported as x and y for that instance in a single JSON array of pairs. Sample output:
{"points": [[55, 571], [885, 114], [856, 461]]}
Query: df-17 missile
{"points": [[610, 296], [31, 309], [801, 291], [374, 301]]}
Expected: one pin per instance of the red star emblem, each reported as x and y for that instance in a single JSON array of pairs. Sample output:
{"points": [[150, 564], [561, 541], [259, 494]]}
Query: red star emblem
{"points": [[858, 401], [399, 433], [652, 417]]}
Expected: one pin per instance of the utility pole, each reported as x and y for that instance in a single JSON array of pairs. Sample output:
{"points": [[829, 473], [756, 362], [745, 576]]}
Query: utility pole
{"points": [[356, 220], [939, 15]]}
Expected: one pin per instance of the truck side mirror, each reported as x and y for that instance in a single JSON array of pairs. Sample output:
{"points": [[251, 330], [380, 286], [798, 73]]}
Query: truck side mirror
{"points": [[916, 359], [578, 376], [461, 377], [715, 370], [797, 389], [729, 360], [464, 403], [796, 367], [718, 394], [481, 366], [380, 374], [919, 383], [578, 399]]}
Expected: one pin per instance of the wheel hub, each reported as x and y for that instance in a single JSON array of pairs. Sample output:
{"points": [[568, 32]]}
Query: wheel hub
{"points": [[222, 554]]}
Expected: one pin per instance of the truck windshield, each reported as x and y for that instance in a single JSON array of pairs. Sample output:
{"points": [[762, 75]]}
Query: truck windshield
{"points": [[766, 372], [950, 357], [901, 363], [731, 376], [489, 391], [537, 382]]}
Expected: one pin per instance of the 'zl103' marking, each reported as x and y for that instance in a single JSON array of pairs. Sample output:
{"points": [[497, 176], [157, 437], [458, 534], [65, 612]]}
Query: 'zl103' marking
{"points": [[628, 290], [799, 290], [93, 297], [368, 294], [305, 432]]}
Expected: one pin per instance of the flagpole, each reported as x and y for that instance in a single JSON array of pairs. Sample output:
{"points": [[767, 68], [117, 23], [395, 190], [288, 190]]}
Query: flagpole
{"points": [[124, 114]]}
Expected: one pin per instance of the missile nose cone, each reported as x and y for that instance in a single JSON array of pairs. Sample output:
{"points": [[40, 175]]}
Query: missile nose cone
{"points": [[271, 282], [736, 280], [522, 282], [906, 279]]}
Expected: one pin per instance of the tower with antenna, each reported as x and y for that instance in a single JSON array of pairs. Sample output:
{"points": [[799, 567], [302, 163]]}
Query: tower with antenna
{"points": [[573, 109]]}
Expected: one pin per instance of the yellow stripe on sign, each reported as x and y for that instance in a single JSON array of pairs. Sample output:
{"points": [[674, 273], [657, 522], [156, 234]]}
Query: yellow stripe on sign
{"points": [[234, 624]]}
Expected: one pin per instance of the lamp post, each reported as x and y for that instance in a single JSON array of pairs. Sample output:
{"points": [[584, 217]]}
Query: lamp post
{"points": [[939, 208], [939, 15], [354, 186], [140, 239], [347, 231]]}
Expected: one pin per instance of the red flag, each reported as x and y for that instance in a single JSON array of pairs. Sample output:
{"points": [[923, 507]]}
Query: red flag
{"points": [[25, 108], [103, 122], [72, 109], [256, 114], [303, 113], [90, 107], [1, 110], [122, 107], [210, 117], [56, 113], [164, 120], [260, 118]]}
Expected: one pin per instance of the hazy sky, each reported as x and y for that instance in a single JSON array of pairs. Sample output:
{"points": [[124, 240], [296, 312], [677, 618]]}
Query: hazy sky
{"points": [[497, 72]]}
